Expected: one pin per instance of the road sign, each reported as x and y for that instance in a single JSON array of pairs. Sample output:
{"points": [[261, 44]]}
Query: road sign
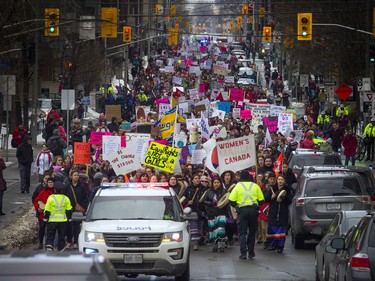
{"points": [[85, 100], [343, 91], [364, 84]]}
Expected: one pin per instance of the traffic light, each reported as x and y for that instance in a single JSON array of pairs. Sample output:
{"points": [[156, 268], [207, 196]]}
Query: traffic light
{"points": [[172, 36], [109, 18], [173, 10], [267, 34], [51, 21], [245, 9], [372, 54], [304, 26], [127, 34]]}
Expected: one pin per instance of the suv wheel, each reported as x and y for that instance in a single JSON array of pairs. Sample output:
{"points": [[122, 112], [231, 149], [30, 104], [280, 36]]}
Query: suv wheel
{"points": [[186, 275], [299, 242]]}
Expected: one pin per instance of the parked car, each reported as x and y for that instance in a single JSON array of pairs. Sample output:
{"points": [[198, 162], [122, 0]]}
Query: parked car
{"points": [[355, 258], [320, 195], [311, 157], [26, 265], [339, 226]]}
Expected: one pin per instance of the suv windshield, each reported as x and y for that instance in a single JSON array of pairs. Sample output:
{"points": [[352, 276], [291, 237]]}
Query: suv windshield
{"points": [[333, 187], [298, 162], [134, 207]]}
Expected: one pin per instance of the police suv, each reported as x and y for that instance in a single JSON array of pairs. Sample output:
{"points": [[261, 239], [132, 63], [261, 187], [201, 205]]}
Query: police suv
{"points": [[141, 228]]}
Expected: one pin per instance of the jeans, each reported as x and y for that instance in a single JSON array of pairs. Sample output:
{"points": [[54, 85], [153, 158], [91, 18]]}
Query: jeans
{"points": [[248, 226], [25, 174], [350, 158]]}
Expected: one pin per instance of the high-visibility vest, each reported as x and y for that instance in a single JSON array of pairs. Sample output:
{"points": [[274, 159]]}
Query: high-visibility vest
{"points": [[57, 205], [369, 131], [246, 194]]}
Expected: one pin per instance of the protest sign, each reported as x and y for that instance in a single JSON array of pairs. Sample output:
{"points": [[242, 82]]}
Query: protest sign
{"points": [[245, 114], [164, 108], [224, 106], [162, 157], [125, 160], [197, 156], [229, 79], [271, 123], [82, 153], [236, 154], [193, 94], [169, 69], [126, 126], [220, 69], [113, 111], [236, 94], [141, 113], [236, 113], [275, 110], [112, 144], [195, 70], [285, 123], [96, 137]]}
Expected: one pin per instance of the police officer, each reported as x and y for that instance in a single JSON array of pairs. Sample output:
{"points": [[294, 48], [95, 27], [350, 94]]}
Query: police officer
{"points": [[246, 197], [323, 121], [369, 134], [57, 212]]}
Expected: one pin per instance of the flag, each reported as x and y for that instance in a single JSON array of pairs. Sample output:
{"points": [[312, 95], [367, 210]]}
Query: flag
{"points": [[212, 162], [268, 138], [167, 124], [177, 92], [278, 165], [174, 101]]}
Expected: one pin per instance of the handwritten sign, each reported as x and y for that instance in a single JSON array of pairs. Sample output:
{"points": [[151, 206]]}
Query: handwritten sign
{"points": [[113, 111], [245, 114], [125, 160], [82, 153], [162, 157], [271, 124], [96, 137], [236, 113], [112, 144], [285, 123], [236, 95], [164, 108]]}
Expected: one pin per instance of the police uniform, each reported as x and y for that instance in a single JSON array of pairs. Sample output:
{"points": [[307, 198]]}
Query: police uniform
{"points": [[57, 212], [246, 196], [369, 134]]}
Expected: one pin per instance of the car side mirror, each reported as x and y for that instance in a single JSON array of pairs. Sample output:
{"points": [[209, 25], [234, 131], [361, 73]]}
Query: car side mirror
{"points": [[318, 231], [78, 216], [338, 243]]}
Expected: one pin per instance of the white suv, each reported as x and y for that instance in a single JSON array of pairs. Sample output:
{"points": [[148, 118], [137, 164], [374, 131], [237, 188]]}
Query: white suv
{"points": [[140, 228]]}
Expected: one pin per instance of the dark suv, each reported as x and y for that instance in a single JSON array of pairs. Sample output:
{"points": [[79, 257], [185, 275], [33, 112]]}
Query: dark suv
{"points": [[311, 157], [320, 193]]}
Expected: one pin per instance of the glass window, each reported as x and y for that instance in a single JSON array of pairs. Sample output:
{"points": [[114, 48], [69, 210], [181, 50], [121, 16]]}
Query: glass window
{"points": [[335, 222], [333, 187], [134, 207]]}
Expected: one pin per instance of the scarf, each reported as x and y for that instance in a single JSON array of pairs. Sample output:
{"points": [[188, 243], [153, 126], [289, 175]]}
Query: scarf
{"points": [[44, 152]]}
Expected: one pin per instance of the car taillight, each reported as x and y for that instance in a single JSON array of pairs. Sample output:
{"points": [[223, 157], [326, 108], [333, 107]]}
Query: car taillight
{"points": [[373, 199], [360, 262], [300, 202]]}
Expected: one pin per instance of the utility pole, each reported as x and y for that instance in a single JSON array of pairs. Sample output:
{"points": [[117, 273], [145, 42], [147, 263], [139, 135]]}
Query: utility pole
{"points": [[34, 102]]}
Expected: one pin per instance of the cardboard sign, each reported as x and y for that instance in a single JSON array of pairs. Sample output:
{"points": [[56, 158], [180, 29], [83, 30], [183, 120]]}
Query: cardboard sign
{"points": [[82, 153], [113, 111], [245, 114], [285, 123], [271, 124], [220, 69], [162, 157]]}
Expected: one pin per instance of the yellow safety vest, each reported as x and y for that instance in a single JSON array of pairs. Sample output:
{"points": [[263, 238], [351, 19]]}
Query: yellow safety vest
{"points": [[369, 131], [57, 205], [246, 194]]}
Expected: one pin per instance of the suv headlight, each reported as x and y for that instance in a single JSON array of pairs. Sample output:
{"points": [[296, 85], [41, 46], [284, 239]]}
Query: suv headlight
{"points": [[94, 237], [172, 237]]}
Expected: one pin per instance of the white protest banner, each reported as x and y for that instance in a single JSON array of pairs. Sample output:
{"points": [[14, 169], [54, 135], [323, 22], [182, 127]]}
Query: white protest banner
{"points": [[183, 106], [125, 160], [205, 128], [236, 154], [197, 156], [229, 79], [258, 111], [276, 110], [285, 123], [192, 122], [164, 108], [111, 144], [195, 70], [236, 113], [194, 94], [169, 69], [176, 80]]}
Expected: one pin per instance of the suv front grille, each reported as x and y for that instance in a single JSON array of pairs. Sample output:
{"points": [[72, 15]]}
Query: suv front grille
{"points": [[126, 240]]}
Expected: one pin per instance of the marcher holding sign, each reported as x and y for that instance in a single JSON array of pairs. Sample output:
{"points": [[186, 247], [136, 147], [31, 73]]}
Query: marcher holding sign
{"points": [[82, 153], [162, 157]]}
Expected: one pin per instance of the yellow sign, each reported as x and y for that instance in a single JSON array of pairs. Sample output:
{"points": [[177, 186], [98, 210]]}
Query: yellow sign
{"points": [[162, 157]]}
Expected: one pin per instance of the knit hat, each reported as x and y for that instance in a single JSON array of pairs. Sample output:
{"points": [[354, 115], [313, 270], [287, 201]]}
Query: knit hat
{"points": [[271, 175], [245, 176]]}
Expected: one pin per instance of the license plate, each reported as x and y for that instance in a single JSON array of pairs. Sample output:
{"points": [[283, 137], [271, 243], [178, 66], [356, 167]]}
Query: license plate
{"points": [[333, 206], [133, 258]]}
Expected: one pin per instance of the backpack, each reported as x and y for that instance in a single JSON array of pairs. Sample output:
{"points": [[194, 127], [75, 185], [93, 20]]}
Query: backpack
{"points": [[54, 146], [13, 143]]}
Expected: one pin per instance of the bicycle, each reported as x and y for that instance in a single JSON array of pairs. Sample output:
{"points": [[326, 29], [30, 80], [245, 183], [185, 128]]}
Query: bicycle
{"points": [[361, 149]]}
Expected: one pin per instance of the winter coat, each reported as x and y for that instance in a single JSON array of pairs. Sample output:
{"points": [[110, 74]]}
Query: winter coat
{"points": [[80, 193], [42, 196], [57, 149], [290, 177], [307, 143], [189, 193], [336, 136], [326, 147], [210, 200], [19, 135], [43, 161], [278, 212], [2, 182], [350, 144], [25, 153]]}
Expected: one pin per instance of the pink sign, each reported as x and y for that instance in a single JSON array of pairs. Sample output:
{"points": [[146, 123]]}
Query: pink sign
{"points": [[96, 137], [245, 114], [202, 88], [203, 49], [236, 95]]}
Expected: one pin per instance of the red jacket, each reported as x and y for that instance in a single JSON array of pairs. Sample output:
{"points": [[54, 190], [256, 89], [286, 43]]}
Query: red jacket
{"points": [[18, 135], [42, 196], [350, 144], [307, 143]]}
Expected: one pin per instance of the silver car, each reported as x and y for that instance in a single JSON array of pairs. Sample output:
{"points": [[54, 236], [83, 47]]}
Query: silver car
{"points": [[340, 224], [319, 196]]}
